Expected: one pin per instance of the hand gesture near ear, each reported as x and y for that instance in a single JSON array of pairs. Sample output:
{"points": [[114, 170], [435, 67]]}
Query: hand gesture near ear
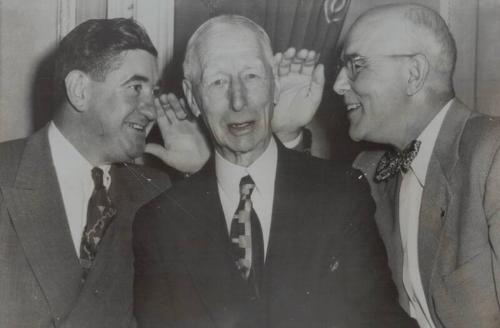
{"points": [[185, 147], [301, 87]]}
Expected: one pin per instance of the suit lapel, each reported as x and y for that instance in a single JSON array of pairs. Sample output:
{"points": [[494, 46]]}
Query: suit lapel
{"points": [[130, 188], [38, 215], [386, 197], [210, 260], [436, 195]]}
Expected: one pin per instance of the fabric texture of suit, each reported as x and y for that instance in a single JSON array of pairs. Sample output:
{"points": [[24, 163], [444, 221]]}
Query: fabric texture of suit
{"points": [[40, 273], [325, 263], [459, 222]]}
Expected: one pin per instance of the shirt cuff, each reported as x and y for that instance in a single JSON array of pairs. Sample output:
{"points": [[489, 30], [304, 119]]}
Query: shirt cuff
{"points": [[294, 142]]}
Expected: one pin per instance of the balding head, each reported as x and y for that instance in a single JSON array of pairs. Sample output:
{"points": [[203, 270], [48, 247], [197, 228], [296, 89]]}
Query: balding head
{"points": [[409, 28], [227, 24], [399, 62]]}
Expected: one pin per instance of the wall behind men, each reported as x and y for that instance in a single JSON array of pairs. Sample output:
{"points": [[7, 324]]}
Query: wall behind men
{"points": [[27, 35], [28, 32]]}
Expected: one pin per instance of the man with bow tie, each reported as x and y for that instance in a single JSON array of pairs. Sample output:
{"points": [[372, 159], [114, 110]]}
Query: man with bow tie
{"points": [[262, 236], [438, 192]]}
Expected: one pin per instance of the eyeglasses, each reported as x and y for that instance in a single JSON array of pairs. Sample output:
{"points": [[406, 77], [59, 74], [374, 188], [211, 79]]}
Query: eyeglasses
{"points": [[354, 64]]}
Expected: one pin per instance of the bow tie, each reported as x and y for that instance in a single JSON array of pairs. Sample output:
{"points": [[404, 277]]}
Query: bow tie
{"points": [[393, 162]]}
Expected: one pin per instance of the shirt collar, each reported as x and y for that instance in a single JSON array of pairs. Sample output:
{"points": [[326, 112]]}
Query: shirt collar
{"points": [[69, 162], [428, 139], [262, 171]]}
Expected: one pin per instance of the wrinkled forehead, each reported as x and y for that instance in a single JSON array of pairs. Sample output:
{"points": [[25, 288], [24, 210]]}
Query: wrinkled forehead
{"points": [[229, 41], [379, 35]]}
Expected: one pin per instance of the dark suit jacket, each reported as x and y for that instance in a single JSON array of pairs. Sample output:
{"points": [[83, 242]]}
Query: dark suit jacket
{"points": [[459, 223], [40, 274], [325, 264]]}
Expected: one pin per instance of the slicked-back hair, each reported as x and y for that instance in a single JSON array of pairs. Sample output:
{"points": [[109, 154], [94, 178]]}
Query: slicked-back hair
{"points": [[94, 48], [191, 60]]}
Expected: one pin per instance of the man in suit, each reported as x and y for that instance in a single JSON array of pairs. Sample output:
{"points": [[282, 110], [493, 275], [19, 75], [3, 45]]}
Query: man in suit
{"points": [[66, 202], [262, 236], [437, 194]]}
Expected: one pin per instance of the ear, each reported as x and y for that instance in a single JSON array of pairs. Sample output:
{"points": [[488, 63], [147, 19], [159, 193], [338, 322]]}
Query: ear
{"points": [[77, 89], [191, 100], [418, 72]]}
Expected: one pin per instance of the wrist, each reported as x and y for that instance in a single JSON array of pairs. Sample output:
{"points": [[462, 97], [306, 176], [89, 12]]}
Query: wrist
{"points": [[288, 136]]}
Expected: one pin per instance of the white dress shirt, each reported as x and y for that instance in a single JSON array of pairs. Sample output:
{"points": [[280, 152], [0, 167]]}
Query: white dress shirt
{"points": [[263, 173], [75, 181], [410, 197]]}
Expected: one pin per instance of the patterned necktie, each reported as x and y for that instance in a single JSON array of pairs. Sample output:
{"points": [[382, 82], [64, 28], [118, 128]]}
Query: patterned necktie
{"points": [[394, 162], [246, 236], [100, 213]]}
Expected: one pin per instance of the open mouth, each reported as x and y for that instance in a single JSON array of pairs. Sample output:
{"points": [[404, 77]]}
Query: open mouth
{"points": [[138, 127], [241, 127], [352, 107]]}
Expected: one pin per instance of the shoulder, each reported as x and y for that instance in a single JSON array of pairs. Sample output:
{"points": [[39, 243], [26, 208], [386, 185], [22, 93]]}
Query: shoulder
{"points": [[10, 156], [334, 178]]}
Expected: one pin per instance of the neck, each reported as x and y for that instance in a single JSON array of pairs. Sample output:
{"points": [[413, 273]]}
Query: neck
{"points": [[75, 133], [419, 117], [244, 159]]}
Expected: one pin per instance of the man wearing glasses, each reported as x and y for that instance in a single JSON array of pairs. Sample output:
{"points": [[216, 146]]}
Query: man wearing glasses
{"points": [[438, 190]]}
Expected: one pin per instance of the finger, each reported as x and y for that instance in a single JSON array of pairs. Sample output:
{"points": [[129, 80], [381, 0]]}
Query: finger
{"points": [[170, 114], [277, 58], [298, 61], [309, 62], [318, 81], [157, 150], [176, 106], [284, 64]]}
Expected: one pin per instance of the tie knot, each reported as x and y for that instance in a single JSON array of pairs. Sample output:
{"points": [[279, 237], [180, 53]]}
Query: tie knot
{"points": [[246, 186], [97, 176], [394, 162]]}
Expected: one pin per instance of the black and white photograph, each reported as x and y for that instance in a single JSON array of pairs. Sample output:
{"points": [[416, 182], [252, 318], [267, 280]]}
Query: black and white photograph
{"points": [[249, 164]]}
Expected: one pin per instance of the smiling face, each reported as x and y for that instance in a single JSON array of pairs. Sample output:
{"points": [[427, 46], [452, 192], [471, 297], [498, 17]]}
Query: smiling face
{"points": [[121, 107], [234, 92], [374, 83]]}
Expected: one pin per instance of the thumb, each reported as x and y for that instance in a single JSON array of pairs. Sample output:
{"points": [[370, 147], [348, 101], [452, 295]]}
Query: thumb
{"points": [[158, 151]]}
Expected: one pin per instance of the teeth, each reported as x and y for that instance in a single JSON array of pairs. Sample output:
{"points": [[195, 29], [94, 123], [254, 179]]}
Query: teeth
{"points": [[239, 125], [136, 126], [353, 106]]}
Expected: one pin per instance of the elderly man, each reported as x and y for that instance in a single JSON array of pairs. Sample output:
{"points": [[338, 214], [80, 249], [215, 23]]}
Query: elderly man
{"points": [[438, 192], [66, 208], [262, 236]]}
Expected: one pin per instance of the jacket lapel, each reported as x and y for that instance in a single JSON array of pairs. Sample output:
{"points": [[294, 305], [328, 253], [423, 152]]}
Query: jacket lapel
{"points": [[130, 188], [209, 259], [386, 197], [38, 215], [288, 214], [436, 195]]}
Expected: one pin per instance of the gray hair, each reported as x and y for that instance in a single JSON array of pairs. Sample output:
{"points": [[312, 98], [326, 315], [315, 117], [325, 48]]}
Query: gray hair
{"points": [[431, 23], [191, 59]]}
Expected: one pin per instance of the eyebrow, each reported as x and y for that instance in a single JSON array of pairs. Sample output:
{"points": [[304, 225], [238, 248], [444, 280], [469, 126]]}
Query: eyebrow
{"points": [[139, 78]]}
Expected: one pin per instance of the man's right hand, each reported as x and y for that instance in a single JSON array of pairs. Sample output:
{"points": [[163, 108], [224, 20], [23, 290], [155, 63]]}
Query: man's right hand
{"points": [[185, 147]]}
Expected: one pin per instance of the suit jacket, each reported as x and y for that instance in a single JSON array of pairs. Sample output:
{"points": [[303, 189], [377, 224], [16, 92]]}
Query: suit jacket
{"points": [[325, 264], [40, 274], [459, 222]]}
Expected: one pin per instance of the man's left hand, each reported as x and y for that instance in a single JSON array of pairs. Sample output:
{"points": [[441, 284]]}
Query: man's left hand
{"points": [[301, 88]]}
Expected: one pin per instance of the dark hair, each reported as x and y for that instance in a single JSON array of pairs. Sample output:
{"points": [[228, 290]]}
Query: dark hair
{"points": [[93, 47]]}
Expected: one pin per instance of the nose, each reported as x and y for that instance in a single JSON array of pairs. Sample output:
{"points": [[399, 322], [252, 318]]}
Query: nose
{"points": [[341, 84], [147, 106], [238, 94]]}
